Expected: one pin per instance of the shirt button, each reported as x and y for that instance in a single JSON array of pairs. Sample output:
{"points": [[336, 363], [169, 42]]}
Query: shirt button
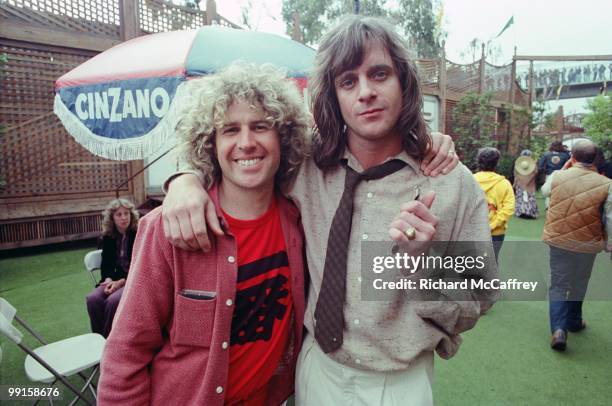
{"points": [[358, 361], [365, 236], [334, 339], [356, 321], [229, 302], [359, 279], [370, 195], [224, 345], [219, 389], [231, 259]]}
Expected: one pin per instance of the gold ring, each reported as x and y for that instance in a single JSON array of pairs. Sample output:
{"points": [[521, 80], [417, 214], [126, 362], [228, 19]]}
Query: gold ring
{"points": [[410, 233]]}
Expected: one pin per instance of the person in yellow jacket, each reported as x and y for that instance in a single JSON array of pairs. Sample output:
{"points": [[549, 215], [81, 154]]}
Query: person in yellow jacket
{"points": [[500, 195]]}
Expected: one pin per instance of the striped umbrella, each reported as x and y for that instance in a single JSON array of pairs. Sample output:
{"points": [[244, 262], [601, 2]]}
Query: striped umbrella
{"points": [[123, 103]]}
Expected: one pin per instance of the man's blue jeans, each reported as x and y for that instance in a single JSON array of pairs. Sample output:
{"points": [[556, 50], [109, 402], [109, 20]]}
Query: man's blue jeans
{"points": [[569, 280], [498, 240]]}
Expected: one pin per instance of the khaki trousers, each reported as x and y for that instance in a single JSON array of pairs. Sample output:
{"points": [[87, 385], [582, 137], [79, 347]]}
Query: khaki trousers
{"points": [[321, 381]]}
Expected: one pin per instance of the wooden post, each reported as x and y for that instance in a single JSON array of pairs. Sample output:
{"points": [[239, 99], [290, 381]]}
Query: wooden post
{"points": [[531, 94], [481, 71], [128, 15], [442, 91], [296, 33], [211, 11], [511, 98], [531, 89], [560, 123], [130, 28]]}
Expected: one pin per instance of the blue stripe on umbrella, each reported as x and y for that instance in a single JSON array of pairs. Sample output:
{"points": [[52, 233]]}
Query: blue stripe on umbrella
{"points": [[121, 109]]}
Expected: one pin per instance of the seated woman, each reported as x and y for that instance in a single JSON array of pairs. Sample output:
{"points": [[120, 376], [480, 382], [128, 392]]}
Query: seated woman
{"points": [[119, 224]]}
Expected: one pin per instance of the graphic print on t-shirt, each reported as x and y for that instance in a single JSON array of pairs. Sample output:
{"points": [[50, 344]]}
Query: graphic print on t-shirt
{"points": [[259, 306], [261, 323]]}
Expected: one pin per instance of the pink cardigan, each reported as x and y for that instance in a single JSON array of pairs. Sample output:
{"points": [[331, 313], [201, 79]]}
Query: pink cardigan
{"points": [[166, 349]]}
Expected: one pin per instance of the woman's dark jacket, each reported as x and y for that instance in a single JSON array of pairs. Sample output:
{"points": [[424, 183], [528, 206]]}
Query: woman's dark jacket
{"points": [[110, 267]]}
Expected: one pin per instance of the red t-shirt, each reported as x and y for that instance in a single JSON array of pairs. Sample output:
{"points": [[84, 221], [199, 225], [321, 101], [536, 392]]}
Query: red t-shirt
{"points": [[262, 315]]}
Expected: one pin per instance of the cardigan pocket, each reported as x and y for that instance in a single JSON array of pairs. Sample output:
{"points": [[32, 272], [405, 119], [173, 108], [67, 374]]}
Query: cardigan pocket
{"points": [[193, 320]]}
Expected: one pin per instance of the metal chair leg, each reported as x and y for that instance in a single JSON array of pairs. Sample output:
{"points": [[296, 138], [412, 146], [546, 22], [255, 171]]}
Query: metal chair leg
{"points": [[87, 385], [93, 392], [60, 377], [90, 385], [40, 397]]}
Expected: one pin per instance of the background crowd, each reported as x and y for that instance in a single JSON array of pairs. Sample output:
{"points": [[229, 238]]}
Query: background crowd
{"points": [[568, 75]]}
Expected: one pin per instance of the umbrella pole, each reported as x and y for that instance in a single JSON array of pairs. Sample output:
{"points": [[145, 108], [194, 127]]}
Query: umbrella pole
{"points": [[140, 171]]}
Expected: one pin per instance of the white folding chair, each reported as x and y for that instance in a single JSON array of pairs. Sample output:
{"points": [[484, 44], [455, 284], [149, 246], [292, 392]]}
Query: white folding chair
{"points": [[56, 361], [93, 261]]}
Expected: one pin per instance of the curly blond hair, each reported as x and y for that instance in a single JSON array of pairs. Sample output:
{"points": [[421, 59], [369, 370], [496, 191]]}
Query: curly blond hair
{"points": [[210, 97], [108, 224]]}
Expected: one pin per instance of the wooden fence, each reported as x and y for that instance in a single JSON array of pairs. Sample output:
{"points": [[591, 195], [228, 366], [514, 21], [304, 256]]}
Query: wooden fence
{"points": [[51, 188]]}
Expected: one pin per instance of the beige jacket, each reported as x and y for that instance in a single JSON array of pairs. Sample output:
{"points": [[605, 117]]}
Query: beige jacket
{"points": [[388, 335]]}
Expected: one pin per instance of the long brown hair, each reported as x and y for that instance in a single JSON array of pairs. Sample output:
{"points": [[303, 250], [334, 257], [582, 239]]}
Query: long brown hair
{"points": [[108, 224], [342, 49]]}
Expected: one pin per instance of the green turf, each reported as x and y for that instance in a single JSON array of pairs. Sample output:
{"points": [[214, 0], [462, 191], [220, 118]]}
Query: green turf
{"points": [[48, 290], [504, 360]]}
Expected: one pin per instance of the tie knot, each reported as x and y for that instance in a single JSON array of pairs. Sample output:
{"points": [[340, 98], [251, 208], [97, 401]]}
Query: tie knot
{"points": [[379, 171], [376, 172]]}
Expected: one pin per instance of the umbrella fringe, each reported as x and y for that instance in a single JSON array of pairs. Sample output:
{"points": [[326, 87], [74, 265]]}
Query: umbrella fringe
{"points": [[127, 149]]}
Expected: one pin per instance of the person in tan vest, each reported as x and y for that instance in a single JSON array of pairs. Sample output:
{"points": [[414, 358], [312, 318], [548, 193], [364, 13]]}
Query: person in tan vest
{"points": [[575, 232]]}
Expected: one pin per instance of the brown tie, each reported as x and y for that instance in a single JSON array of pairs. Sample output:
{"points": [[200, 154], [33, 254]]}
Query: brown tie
{"points": [[329, 312]]}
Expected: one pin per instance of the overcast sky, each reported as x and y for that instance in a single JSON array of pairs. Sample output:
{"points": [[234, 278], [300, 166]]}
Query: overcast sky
{"points": [[541, 27]]}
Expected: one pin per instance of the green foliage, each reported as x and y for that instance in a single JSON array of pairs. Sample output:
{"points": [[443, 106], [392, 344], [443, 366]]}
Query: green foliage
{"points": [[505, 166], [538, 109], [312, 21], [473, 51], [317, 16], [521, 121], [598, 123], [421, 26], [523, 117], [415, 18], [541, 119], [474, 122], [538, 145], [549, 121], [373, 8]]}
